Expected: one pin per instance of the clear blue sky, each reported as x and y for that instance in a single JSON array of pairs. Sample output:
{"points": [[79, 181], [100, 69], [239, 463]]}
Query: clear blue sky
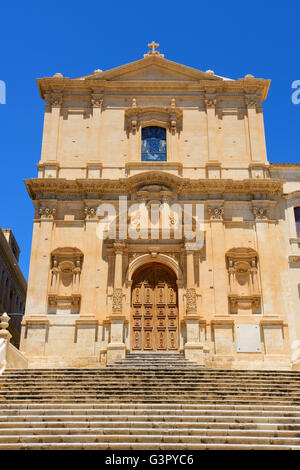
{"points": [[232, 38]]}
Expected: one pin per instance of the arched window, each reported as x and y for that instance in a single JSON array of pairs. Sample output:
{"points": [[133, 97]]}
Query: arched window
{"points": [[154, 145], [297, 220]]}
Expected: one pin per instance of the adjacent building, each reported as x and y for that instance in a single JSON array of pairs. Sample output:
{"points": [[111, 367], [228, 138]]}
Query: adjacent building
{"points": [[13, 285]]}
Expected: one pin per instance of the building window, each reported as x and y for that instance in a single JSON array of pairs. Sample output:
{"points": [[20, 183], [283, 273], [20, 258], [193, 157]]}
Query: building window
{"points": [[297, 220], [154, 145]]}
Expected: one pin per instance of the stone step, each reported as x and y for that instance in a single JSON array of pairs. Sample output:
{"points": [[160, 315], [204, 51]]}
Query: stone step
{"points": [[149, 401], [60, 392], [166, 384], [145, 379], [147, 438], [186, 427], [126, 414], [143, 446], [147, 431], [145, 400]]}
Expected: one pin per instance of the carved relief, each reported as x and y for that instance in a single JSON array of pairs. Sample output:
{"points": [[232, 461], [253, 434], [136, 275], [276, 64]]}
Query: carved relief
{"points": [[117, 300], [191, 302]]}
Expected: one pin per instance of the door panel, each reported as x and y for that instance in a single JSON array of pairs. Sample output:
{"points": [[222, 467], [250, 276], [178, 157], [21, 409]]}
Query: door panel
{"points": [[154, 309]]}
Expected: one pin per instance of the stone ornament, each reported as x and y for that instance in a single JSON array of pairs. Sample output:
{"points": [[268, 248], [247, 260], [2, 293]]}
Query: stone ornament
{"points": [[191, 303], [90, 212], [210, 103], [216, 213], [260, 213], [47, 213], [96, 101], [117, 300], [54, 99]]}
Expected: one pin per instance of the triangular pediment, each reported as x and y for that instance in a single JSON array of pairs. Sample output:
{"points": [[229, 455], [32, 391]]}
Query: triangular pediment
{"points": [[153, 68]]}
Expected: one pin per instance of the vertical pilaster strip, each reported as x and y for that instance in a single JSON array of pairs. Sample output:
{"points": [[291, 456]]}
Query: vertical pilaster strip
{"points": [[51, 125], [216, 215], [96, 104], [210, 103], [251, 103]]}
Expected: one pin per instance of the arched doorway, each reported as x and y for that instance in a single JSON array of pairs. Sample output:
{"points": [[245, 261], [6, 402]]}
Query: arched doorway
{"points": [[154, 309]]}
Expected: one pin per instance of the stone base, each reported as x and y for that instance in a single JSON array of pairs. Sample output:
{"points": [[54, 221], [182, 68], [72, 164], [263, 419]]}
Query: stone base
{"points": [[194, 353], [115, 352]]}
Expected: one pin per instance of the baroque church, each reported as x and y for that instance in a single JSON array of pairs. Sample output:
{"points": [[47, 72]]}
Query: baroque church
{"points": [[161, 136]]}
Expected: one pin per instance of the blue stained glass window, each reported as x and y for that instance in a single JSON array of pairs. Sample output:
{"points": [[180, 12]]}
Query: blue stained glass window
{"points": [[154, 145]]}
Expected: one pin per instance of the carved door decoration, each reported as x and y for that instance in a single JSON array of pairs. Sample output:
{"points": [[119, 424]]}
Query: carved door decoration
{"points": [[154, 309]]}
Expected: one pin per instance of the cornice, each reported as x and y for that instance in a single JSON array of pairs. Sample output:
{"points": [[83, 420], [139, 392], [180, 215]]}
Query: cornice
{"points": [[84, 188], [68, 85]]}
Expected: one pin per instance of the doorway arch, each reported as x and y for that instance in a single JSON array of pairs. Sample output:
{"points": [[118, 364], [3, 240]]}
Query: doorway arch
{"points": [[154, 309]]}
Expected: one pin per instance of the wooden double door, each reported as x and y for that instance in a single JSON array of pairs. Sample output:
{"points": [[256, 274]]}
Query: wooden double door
{"points": [[154, 309]]}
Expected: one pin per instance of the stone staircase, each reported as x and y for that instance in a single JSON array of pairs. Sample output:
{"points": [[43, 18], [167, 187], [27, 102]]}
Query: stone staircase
{"points": [[149, 401]]}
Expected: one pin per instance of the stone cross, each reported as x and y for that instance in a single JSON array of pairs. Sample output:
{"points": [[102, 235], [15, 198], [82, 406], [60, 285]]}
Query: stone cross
{"points": [[153, 45]]}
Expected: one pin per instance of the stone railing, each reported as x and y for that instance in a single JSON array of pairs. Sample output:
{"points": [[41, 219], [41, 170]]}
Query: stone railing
{"points": [[9, 355], [4, 340]]}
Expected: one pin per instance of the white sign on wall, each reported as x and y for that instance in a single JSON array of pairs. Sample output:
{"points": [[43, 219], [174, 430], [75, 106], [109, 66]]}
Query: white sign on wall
{"points": [[247, 338]]}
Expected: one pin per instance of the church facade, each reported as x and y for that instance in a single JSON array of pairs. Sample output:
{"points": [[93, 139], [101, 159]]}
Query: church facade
{"points": [[136, 161]]}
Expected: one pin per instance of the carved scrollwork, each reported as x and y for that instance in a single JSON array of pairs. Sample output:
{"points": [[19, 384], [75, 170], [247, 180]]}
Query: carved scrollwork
{"points": [[117, 300], [191, 302]]}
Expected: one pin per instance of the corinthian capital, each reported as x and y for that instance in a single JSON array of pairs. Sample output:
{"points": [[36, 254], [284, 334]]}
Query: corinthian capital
{"points": [[216, 213], [54, 99], [260, 213], [251, 101], [47, 212], [96, 100], [210, 102]]}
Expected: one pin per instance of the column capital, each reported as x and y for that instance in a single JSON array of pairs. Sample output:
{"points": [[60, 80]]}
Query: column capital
{"points": [[260, 213], [210, 101], [216, 212], [119, 247], [55, 99], [96, 100]]}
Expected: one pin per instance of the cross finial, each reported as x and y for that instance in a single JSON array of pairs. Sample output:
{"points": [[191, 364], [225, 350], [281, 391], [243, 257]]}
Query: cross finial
{"points": [[153, 45]]}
